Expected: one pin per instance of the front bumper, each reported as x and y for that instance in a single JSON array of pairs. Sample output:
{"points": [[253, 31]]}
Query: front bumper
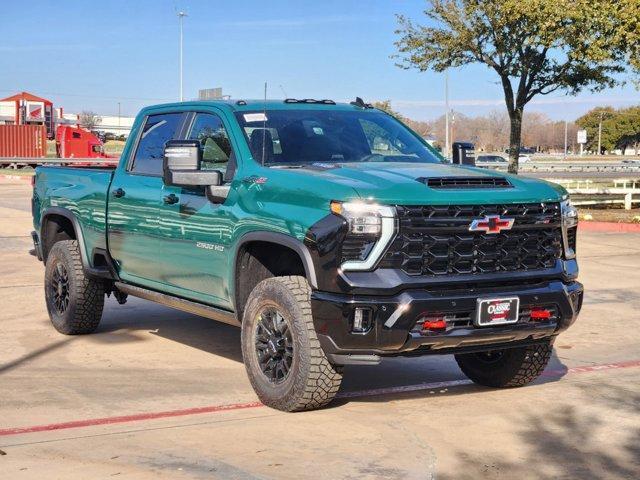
{"points": [[394, 319]]}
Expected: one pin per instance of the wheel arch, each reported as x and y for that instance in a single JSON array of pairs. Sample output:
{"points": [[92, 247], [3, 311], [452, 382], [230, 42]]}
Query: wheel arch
{"points": [[59, 223], [248, 273]]}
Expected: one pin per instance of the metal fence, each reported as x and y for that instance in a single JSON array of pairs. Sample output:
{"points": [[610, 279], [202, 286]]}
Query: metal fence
{"points": [[569, 166]]}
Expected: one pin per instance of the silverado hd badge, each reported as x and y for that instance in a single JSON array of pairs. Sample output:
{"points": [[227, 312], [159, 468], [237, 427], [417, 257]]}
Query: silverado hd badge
{"points": [[491, 224]]}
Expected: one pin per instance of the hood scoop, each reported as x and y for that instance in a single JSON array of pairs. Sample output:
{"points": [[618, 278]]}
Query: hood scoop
{"points": [[452, 183]]}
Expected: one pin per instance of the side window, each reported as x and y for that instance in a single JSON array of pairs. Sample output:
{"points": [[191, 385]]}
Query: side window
{"points": [[379, 139], [214, 141], [157, 130]]}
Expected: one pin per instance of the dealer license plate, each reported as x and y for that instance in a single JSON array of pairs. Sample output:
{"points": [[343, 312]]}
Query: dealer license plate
{"points": [[497, 311]]}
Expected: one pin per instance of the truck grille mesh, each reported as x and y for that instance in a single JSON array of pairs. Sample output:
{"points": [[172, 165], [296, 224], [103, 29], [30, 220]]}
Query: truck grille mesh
{"points": [[435, 240]]}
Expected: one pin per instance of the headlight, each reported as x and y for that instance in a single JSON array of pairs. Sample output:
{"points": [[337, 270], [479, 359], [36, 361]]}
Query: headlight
{"points": [[371, 229], [569, 228]]}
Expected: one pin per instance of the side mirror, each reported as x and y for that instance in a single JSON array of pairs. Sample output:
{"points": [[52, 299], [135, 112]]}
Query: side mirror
{"points": [[463, 153], [181, 165]]}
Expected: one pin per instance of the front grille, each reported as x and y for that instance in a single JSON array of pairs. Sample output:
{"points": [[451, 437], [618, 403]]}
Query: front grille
{"points": [[435, 240], [465, 182]]}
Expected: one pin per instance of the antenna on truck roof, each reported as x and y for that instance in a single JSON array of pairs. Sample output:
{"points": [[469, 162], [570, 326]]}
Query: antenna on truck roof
{"points": [[360, 103], [264, 125]]}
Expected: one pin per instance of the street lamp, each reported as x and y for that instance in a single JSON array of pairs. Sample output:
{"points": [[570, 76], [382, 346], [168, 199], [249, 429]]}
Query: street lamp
{"points": [[181, 15]]}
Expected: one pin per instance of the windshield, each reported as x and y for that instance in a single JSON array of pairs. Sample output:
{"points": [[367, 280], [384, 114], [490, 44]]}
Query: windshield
{"points": [[297, 137]]}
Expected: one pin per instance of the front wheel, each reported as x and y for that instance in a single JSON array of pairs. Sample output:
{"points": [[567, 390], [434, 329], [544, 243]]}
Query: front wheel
{"points": [[511, 367], [283, 357]]}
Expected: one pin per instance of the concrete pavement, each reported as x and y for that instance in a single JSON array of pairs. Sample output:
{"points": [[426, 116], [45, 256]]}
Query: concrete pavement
{"points": [[406, 418]]}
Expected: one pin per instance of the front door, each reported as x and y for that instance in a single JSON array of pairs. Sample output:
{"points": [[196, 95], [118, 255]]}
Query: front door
{"points": [[136, 201], [201, 228]]}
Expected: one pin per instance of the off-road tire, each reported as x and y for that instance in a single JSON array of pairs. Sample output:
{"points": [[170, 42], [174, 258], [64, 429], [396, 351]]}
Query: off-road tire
{"points": [[515, 367], [312, 382], [85, 295]]}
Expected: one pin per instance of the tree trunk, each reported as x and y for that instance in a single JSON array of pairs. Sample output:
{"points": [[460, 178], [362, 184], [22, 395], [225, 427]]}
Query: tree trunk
{"points": [[514, 138]]}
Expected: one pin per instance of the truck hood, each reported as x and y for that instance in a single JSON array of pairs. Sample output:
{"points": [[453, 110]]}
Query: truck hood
{"points": [[399, 184]]}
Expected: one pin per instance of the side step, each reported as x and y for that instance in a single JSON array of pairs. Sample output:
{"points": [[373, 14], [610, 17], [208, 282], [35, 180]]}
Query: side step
{"points": [[180, 304]]}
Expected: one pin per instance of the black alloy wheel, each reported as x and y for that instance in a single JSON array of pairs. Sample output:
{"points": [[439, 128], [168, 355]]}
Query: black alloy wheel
{"points": [[60, 288], [274, 345]]}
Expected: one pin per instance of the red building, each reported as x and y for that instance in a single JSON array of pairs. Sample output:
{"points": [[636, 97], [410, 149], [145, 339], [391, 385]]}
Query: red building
{"points": [[26, 109]]}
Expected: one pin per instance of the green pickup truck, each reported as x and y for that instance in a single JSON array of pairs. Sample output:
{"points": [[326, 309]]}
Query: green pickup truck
{"points": [[331, 234]]}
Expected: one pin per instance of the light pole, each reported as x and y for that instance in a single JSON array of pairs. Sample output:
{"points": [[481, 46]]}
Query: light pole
{"points": [[446, 115], [599, 134], [181, 15], [565, 139], [118, 113]]}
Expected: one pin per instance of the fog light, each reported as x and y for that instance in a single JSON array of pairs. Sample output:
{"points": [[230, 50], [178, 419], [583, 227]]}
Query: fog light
{"points": [[362, 320]]}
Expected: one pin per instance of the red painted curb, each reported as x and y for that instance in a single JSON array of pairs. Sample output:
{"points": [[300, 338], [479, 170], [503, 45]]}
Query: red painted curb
{"points": [[609, 227], [128, 418], [239, 406]]}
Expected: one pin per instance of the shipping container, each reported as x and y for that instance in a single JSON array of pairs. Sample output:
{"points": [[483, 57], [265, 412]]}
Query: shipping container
{"points": [[23, 141]]}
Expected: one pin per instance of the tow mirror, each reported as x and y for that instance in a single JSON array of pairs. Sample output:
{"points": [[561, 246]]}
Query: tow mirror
{"points": [[463, 153], [181, 165]]}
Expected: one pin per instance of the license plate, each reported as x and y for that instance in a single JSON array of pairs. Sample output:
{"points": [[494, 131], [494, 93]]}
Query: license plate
{"points": [[497, 311]]}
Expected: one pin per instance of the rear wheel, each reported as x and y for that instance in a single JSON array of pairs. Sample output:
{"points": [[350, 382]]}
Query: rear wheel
{"points": [[74, 301], [511, 367], [284, 361]]}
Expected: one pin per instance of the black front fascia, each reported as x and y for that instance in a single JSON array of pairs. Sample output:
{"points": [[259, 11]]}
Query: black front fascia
{"points": [[395, 318]]}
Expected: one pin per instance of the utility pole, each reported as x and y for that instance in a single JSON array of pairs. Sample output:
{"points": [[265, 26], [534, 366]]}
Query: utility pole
{"points": [[446, 115], [600, 134], [118, 113], [565, 139], [181, 16]]}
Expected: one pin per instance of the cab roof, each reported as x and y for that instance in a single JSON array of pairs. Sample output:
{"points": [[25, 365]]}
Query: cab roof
{"points": [[241, 105]]}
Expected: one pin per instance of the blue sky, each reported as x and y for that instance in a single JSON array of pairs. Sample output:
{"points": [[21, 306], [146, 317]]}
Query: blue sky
{"points": [[92, 55]]}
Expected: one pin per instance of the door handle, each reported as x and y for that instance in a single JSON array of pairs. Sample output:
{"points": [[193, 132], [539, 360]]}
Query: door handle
{"points": [[118, 193], [170, 199]]}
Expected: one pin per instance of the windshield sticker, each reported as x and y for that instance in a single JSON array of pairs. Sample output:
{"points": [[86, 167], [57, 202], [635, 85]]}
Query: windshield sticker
{"points": [[255, 117]]}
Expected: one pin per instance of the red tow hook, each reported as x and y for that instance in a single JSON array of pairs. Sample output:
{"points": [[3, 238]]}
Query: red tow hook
{"points": [[434, 323], [540, 314]]}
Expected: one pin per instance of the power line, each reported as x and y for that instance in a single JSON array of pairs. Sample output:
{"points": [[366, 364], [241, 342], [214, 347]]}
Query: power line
{"points": [[103, 97]]}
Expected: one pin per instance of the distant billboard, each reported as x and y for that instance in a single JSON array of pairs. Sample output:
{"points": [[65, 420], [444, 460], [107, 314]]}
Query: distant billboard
{"points": [[210, 94], [582, 136]]}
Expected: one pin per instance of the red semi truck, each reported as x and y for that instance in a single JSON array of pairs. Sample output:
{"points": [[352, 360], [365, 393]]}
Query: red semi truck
{"points": [[76, 142]]}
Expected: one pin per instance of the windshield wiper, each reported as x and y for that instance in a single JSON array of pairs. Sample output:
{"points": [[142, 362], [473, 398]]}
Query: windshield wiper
{"points": [[284, 165]]}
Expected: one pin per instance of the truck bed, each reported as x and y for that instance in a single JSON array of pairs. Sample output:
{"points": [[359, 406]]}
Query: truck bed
{"points": [[82, 191]]}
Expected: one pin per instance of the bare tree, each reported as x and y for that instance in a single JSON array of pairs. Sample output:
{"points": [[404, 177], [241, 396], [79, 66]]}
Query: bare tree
{"points": [[89, 119]]}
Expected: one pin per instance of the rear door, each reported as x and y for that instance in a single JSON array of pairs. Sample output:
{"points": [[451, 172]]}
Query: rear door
{"points": [[135, 202]]}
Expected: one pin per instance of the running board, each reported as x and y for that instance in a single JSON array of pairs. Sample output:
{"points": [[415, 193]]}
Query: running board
{"points": [[180, 304]]}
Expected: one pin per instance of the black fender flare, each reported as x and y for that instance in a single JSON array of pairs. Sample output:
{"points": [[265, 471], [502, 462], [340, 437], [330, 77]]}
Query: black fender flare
{"points": [[69, 215], [280, 239]]}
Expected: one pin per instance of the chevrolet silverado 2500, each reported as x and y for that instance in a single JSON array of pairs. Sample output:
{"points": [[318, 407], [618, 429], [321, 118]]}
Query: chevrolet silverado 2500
{"points": [[331, 234]]}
